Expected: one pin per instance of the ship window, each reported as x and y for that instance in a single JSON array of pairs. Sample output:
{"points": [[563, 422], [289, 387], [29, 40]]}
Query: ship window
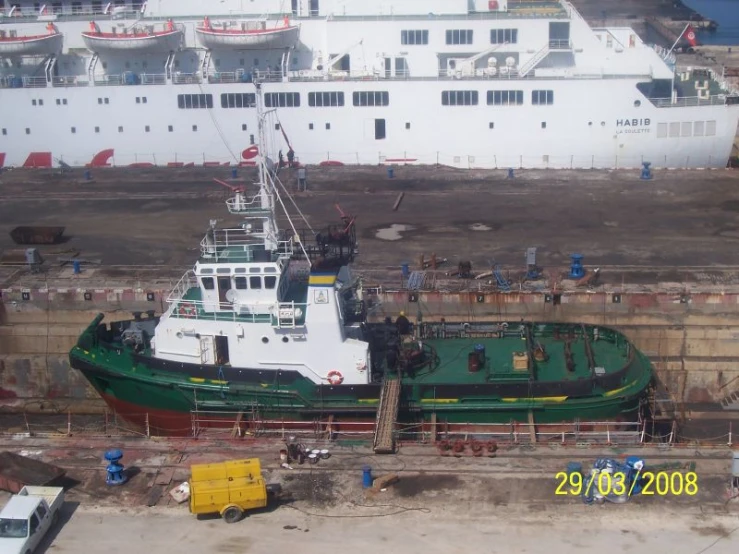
{"points": [[255, 270], [240, 270], [243, 126], [207, 270], [194, 128], [270, 282], [505, 97], [710, 128], [270, 270], [106, 101], [282, 99], [674, 129], [28, 131], [251, 139], [459, 36], [380, 129], [76, 7], [543, 124], [277, 126], [459, 98], [225, 270], [240, 283], [698, 128], [74, 130], [58, 102], [147, 129], [64, 101], [310, 126], [662, 130], [407, 125], [208, 283], [238, 100], [138, 100], [97, 6], [542, 97], [325, 99], [371, 98], [491, 125], [686, 129], [5, 131], [255, 282], [120, 129], [328, 126], [33, 102], [194, 101], [170, 128], [97, 129], [100, 100], [502, 36], [414, 37]]}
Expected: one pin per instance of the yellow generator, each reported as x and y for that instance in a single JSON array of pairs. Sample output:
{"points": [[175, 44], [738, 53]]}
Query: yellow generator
{"points": [[228, 488]]}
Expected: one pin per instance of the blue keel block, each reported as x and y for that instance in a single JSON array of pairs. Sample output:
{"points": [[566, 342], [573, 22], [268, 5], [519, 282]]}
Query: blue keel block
{"points": [[115, 473], [577, 271]]}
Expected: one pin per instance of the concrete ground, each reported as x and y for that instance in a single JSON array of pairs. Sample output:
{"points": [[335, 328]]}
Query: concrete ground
{"points": [[158, 216], [606, 530]]}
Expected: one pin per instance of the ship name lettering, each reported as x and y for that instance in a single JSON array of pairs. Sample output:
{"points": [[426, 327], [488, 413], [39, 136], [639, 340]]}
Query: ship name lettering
{"points": [[633, 122]]}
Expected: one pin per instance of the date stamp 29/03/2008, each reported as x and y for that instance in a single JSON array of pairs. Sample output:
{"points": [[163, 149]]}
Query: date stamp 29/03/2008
{"points": [[660, 483]]}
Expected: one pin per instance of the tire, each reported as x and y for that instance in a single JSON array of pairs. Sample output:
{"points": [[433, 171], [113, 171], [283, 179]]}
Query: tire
{"points": [[232, 514]]}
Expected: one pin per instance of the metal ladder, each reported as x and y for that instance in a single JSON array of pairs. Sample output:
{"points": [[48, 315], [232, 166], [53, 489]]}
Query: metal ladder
{"points": [[387, 414]]}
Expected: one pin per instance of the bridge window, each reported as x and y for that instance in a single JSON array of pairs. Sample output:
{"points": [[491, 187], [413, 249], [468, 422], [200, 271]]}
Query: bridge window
{"points": [[208, 283], [282, 99], [194, 101], [240, 283], [459, 98], [542, 97], [238, 100], [270, 282], [414, 37], [505, 97], [459, 36], [325, 99], [370, 98], [502, 36], [255, 282]]}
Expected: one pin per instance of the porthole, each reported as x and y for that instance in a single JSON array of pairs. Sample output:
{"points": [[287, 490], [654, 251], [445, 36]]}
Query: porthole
{"points": [[285, 339], [637, 103], [265, 340]]}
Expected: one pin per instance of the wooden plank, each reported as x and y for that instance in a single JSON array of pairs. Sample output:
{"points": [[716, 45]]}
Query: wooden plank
{"points": [[164, 477], [532, 428]]}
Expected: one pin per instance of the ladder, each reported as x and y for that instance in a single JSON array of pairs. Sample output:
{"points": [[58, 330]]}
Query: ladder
{"points": [[387, 414]]}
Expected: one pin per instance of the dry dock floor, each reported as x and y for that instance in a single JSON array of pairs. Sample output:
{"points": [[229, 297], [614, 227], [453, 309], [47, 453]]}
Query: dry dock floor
{"points": [[502, 504], [157, 217]]}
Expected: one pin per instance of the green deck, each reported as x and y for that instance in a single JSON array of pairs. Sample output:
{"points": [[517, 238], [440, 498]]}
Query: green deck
{"points": [[499, 361]]}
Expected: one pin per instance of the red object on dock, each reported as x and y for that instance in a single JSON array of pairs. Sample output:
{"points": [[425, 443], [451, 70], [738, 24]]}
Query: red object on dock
{"points": [[38, 159]]}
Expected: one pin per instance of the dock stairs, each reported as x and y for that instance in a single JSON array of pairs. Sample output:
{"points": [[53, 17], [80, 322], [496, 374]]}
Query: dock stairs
{"points": [[387, 414]]}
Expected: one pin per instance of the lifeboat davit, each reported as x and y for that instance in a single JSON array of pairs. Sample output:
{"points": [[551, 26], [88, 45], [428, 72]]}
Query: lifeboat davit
{"points": [[253, 35], [30, 45], [138, 39]]}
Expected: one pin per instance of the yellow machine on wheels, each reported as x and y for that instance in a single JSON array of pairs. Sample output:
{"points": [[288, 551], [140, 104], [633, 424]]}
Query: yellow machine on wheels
{"points": [[228, 488]]}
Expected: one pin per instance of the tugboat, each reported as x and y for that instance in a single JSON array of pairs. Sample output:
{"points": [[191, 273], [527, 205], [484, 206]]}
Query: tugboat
{"points": [[272, 326]]}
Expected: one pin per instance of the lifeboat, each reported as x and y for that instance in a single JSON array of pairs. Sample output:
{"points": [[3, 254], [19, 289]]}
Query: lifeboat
{"points": [[247, 35], [29, 45], [138, 39]]}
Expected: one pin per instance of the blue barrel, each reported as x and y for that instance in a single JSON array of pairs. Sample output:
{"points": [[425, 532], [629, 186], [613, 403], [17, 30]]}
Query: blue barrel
{"points": [[480, 351], [405, 271], [76, 266], [366, 477], [390, 172], [88, 175], [510, 173], [234, 173]]}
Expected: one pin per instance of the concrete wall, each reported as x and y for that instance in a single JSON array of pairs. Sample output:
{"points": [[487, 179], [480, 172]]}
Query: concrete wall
{"points": [[692, 339]]}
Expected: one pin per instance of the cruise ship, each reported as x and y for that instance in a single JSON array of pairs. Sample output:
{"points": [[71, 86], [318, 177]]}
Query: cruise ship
{"points": [[462, 83]]}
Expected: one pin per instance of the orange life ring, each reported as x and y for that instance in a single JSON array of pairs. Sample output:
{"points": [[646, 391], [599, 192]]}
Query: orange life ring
{"points": [[334, 377], [250, 153], [187, 310]]}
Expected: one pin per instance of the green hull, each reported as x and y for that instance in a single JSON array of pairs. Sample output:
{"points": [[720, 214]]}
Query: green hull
{"points": [[146, 391]]}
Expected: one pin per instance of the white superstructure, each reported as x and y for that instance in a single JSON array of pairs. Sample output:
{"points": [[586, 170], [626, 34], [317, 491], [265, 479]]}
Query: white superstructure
{"points": [[466, 83]]}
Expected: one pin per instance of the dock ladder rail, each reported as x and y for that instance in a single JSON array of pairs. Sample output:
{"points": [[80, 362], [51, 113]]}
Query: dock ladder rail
{"points": [[387, 415]]}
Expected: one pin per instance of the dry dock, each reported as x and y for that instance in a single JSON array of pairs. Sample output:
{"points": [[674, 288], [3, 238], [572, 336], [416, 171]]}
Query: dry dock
{"points": [[666, 249]]}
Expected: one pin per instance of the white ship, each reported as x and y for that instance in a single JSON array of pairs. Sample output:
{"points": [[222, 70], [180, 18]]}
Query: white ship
{"points": [[464, 83]]}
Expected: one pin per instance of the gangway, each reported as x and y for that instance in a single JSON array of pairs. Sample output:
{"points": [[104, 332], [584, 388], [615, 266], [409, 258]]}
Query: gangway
{"points": [[387, 415]]}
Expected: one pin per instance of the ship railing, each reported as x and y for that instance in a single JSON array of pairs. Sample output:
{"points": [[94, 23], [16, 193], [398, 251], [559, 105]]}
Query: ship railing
{"points": [[688, 101], [186, 282], [220, 243], [242, 206], [70, 81], [226, 77], [179, 78], [153, 79], [34, 82], [108, 80]]}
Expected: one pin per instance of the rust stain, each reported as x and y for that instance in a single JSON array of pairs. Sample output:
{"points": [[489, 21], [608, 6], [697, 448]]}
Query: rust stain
{"points": [[6, 394]]}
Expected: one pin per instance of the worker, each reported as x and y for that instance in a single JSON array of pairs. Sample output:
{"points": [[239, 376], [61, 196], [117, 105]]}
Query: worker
{"points": [[403, 324], [281, 159], [51, 28], [206, 22], [170, 25], [290, 157], [286, 21], [93, 27]]}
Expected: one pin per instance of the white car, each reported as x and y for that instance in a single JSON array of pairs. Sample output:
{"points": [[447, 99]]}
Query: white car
{"points": [[27, 517]]}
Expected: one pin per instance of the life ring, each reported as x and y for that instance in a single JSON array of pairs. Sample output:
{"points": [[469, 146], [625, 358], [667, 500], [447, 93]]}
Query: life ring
{"points": [[250, 153], [334, 377], [187, 310]]}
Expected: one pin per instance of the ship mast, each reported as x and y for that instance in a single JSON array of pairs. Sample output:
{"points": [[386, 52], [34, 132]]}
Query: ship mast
{"points": [[269, 224]]}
